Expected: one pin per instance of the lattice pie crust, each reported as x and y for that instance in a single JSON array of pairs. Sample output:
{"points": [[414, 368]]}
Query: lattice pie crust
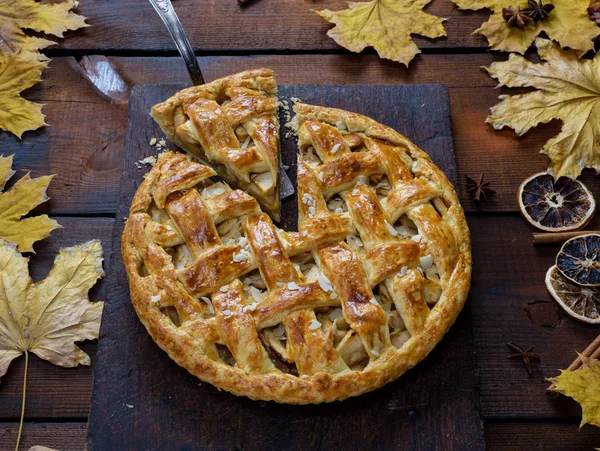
{"points": [[375, 277], [231, 124]]}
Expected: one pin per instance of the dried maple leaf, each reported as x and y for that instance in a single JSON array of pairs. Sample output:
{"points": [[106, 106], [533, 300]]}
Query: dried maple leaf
{"points": [[386, 25], [568, 89], [48, 317], [18, 72], [569, 24], [25, 195], [49, 18], [21, 64], [583, 385]]}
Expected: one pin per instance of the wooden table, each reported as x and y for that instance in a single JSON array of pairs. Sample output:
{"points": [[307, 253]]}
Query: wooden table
{"points": [[84, 144]]}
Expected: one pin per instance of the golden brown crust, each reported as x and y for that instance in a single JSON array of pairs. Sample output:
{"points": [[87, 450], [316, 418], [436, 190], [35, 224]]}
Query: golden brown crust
{"points": [[400, 267], [231, 124]]}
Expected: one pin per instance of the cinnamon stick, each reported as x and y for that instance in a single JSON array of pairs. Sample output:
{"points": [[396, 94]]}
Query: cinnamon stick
{"points": [[592, 351], [558, 237]]}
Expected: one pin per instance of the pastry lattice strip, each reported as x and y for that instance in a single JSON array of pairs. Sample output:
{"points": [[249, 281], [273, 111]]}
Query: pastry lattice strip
{"points": [[231, 123], [347, 277], [412, 195]]}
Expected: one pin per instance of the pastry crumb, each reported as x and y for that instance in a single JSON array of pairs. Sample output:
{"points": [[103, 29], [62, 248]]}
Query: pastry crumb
{"points": [[151, 160]]}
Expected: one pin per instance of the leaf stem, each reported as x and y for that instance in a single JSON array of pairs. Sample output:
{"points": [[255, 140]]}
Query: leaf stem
{"points": [[23, 400]]}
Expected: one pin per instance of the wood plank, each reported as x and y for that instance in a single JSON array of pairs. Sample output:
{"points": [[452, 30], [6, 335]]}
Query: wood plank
{"points": [[91, 130], [54, 391], [221, 25], [508, 279], [80, 146], [508, 274], [499, 436], [528, 436], [62, 436], [138, 387]]}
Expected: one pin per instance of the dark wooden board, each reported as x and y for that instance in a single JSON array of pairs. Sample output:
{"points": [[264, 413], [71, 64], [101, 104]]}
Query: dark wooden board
{"points": [[60, 436], [523, 436], [143, 400], [529, 436]]}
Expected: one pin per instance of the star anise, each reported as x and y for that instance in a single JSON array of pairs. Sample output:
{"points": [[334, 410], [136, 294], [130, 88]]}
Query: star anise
{"points": [[526, 355], [537, 11], [516, 17], [480, 190]]}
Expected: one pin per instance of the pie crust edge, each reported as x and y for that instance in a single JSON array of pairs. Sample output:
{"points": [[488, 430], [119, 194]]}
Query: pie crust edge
{"points": [[320, 387]]}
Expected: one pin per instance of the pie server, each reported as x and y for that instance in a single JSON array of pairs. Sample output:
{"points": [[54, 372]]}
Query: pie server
{"points": [[165, 10]]}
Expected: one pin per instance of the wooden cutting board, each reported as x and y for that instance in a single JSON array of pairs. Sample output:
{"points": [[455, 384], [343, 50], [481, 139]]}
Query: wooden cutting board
{"points": [[142, 400]]}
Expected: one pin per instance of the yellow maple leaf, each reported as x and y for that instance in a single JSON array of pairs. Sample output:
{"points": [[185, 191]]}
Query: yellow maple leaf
{"points": [[18, 72], [568, 89], [21, 64], [569, 24], [583, 385], [386, 25], [49, 18], [25, 195], [49, 316]]}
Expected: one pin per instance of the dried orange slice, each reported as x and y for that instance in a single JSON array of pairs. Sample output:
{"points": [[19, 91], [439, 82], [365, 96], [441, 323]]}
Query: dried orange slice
{"points": [[579, 259], [581, 303], [555, 205]]}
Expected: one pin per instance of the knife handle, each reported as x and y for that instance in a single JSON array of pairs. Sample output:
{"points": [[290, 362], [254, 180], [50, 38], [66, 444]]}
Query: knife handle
{"points": [[165, 10]]}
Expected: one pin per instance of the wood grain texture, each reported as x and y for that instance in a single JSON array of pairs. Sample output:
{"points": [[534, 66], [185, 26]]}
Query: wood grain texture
{"points": [[54, 391], [91, 130], [84, 147], [525, 436], [508, 276], [528, 436], [137, 387], [508, 279], [60, 436], [81, 145], [221, 25]]}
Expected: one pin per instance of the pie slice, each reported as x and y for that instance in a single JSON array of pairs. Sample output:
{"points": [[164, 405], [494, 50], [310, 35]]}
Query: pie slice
{"points": [[232, 125], [375, 276]]}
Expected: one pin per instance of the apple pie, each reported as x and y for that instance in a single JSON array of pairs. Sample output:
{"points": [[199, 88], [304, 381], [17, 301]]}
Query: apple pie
{"points": [[374, 277], [232, 125]]}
